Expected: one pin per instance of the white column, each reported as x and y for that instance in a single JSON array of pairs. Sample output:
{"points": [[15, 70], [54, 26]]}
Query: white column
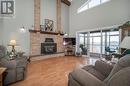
{"points": [[77, 42], [88, 42], [101, 43]]}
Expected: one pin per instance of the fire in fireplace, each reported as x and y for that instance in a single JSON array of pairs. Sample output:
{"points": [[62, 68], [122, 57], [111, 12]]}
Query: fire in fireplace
{"points": [[48, 47]]}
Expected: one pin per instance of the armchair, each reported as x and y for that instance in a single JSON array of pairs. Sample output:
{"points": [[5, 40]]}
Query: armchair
{"points": [[16, 68], [102, 76]]}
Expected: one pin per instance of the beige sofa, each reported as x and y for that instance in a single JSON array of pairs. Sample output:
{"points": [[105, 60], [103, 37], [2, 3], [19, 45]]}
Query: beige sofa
{"points": [[102, 75]]}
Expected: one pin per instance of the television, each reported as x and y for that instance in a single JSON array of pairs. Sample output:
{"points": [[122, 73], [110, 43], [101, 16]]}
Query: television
{"points": [[69, 41]]}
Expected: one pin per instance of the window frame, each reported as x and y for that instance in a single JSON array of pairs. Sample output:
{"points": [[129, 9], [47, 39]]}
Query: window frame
{"points": [[104, 41], [86, 5]]}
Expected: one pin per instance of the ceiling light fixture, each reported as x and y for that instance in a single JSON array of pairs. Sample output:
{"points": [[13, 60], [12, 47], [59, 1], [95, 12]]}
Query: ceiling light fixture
{"points": [[22, 29]]}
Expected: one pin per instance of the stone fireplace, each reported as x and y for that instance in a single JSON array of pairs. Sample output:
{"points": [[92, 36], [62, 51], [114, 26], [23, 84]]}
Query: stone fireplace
{"points": [[38, 39], [48, 47]]}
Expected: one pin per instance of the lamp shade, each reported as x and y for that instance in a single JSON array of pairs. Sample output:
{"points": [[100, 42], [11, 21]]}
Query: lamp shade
{"points": [[12, 42], [125, 43]]}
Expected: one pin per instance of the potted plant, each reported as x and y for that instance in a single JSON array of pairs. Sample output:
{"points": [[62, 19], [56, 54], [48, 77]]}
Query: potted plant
{"points": [[84, 49]]}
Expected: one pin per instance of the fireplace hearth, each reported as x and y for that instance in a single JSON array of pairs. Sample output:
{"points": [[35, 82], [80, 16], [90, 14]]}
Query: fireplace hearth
{"points": [[48, 47]]}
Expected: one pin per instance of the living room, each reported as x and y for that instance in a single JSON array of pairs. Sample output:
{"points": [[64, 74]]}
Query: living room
{"points": [[58, 40]]}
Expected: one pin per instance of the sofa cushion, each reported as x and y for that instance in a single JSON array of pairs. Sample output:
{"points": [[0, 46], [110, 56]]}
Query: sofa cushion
{"points": [[97, 74], [84, 78], [94, 72], [103, 67]]}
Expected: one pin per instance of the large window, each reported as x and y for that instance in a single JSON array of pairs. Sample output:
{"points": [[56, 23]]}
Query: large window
{"points": [[91, 3], [110, 39], [81, 38], [96, 41]]}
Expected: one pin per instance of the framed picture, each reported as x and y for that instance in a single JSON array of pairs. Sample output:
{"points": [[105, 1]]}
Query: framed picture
{"points": [[49, 25], [7, 8]]}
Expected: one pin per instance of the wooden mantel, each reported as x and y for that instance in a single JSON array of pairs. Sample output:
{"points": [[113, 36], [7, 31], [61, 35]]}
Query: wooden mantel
{"points": [[45, 32]]}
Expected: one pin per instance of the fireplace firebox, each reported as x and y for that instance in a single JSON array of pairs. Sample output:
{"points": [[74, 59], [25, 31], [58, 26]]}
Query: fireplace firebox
{"points": [[48, 47]]}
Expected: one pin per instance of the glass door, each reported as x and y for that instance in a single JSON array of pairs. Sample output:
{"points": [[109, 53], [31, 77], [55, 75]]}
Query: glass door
{"points": [[95, 42], [111, 40]]}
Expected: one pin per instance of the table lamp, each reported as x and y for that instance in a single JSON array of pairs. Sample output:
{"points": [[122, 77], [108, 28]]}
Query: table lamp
{"points": [[125, 44], [12, 43]]}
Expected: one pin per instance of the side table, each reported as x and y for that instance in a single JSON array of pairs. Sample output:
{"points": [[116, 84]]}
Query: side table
{"points": [[2, 70]]}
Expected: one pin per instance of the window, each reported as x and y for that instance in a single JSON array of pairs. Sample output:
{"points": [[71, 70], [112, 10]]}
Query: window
{"points": [[114, 40], [94, 3], [83, 39], [110, 39], [83, 8], [91, 3], [96, 41], [104, 1]]}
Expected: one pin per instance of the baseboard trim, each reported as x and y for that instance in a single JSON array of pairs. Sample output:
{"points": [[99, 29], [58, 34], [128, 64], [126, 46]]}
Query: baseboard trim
{"points": [[42, 57]]}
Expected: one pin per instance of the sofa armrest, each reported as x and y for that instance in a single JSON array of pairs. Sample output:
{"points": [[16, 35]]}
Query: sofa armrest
{"points": [[121, 78], [86, 79], [9, 64], [21, 63], [12, 64], [103, 67]]}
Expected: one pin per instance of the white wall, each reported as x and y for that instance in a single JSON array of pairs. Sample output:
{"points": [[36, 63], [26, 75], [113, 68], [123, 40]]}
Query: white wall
{"points": [[24, 17], [108, 14], [1, 30], [10, 28], [48, 11], [65, 18]]}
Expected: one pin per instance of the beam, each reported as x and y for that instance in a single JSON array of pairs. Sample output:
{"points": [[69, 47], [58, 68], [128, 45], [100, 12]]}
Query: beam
{"points": [[66, 2], [37, 14], [58, 16]]}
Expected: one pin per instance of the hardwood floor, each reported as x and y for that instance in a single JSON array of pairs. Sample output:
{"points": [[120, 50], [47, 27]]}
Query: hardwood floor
{"points": [[52, 71]]}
